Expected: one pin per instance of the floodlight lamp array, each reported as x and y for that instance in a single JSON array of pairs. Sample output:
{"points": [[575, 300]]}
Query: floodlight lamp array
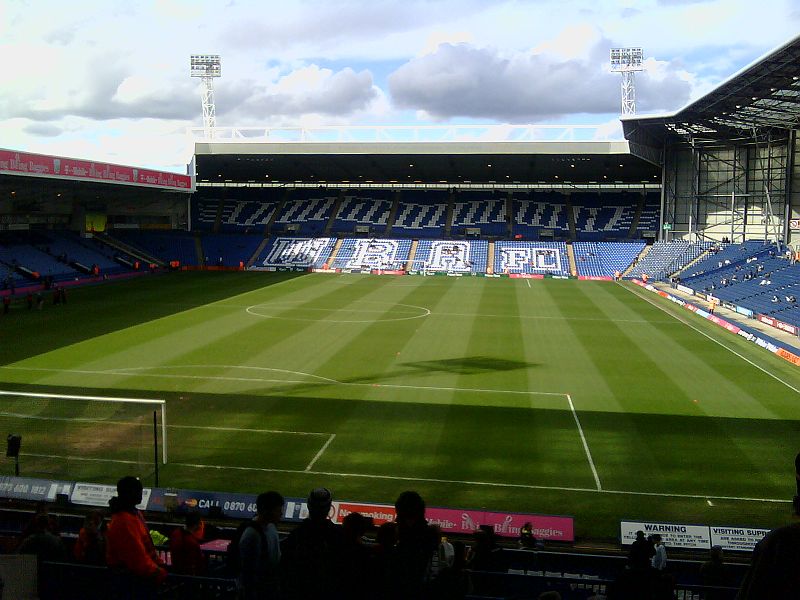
{"points": [[206, 65], [623, 59]]}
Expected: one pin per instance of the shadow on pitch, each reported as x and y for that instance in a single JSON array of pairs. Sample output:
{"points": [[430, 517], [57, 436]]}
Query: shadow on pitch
{"points": [[470, 365]]}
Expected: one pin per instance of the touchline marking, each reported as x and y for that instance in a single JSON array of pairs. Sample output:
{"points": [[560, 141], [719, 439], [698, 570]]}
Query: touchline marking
{"points": [[523, 486], [546, 318], [321, 451], [287, 305], [716, 341], [585, 444]]}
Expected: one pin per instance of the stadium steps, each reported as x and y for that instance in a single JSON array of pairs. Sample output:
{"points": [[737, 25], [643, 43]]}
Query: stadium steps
{"points": [[278, 211], [217, 220], [571, 223], [135, 253], [510, 216], [258, 252], [198, 247], [336, 206], [702, 256], [638, 259], [448, 218], [335, 251], [392, 213], [636, 217], [490, 259], [411, 254], [573, 266]]}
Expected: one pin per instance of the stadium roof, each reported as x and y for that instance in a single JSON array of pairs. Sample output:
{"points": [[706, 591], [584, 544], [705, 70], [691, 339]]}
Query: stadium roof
{"points": [[764, 95], [453, 155]]}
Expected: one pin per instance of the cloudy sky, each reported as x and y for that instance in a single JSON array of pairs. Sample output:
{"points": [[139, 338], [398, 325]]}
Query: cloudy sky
{"points": [[110, 81]]}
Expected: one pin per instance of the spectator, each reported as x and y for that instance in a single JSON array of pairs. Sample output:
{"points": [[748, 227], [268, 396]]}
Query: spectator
{"points": [[260, 550], [129, 549], [659, 560], [714, 574], [310, 556], [42, 542], [358, 560], [526, 537], [90, 548], [417, 542], [641, 553], [184, 547]]}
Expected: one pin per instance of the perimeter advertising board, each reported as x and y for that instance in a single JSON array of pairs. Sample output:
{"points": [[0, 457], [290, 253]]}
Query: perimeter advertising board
{"points": [[40, 165]]}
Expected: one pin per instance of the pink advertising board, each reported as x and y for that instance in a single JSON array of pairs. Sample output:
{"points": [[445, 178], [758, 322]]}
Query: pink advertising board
{"points": [[465, 521]]}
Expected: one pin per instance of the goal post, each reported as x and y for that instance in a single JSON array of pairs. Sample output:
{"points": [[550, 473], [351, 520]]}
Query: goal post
{"points": [[62, 429]]}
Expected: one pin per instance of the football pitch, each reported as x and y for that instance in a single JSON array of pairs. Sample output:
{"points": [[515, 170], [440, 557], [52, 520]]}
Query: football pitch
{"points": [[592, 399]]}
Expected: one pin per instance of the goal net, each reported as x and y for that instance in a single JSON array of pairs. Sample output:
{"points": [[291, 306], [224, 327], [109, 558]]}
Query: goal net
{"points": [[92, 438]]}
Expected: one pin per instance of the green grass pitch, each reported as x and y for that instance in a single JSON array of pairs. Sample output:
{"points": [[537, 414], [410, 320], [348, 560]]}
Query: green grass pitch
{"points": [[591, 399]]}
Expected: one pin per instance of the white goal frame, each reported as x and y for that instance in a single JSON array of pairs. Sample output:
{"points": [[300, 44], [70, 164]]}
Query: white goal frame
{"points": [[158, 402]]}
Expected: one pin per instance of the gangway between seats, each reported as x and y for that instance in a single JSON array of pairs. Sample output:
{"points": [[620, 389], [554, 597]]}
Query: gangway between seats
{"points": [[412, 254], [639, 258], [573, 266]]}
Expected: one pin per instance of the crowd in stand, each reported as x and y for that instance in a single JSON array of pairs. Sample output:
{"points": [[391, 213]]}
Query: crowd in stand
{"points": [[408, 559]]}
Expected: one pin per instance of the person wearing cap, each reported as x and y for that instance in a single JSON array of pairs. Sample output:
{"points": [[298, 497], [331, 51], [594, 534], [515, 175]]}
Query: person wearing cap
{"points": [[311, 555], [129, 549]]}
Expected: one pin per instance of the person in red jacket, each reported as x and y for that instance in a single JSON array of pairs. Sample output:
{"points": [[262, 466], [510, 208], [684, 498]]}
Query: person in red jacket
{"points": [[184, 547], [129, 550]]}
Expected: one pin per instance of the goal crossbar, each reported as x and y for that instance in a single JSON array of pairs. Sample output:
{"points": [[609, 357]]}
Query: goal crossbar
{"points": [[158, 402]]}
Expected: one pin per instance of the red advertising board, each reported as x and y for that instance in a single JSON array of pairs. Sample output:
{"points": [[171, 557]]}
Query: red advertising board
{"points": [[40, 165], [778, 324], [525, 276]]}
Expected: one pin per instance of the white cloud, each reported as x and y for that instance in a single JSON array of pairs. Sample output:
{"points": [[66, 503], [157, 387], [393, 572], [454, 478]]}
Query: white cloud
{"points": [[108, 67]]}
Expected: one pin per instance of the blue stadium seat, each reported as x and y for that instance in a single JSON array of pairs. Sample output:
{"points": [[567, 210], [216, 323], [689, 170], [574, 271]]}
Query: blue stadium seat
{"points": [[295, 252], [531, 257], [421, 214], [480, 210], [452, 256], [372, 254]]}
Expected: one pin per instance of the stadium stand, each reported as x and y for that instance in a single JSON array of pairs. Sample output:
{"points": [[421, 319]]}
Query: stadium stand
{"points": [[540, 212], [29, 251], [306, 213], [726, 254], [371, 212], [166, 245], [604, 259], [601, 217], [531, 257], [372, 254], [449, 256], [481, 210], [249, 212], [649, 217], [295, 252], [229, 249], [666, 258], [421, 214]]}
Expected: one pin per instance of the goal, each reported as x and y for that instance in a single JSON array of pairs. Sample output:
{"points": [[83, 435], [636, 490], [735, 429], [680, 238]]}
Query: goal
{"points": [[85, 437]]}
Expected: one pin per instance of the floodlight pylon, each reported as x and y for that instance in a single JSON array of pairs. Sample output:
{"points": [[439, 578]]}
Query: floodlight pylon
{"points": [[627, 61], [206, 67]]}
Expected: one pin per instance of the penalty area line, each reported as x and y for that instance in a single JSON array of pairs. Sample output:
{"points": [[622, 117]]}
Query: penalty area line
{"points": [[490, 484], [585, 444], [321, 452]]}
